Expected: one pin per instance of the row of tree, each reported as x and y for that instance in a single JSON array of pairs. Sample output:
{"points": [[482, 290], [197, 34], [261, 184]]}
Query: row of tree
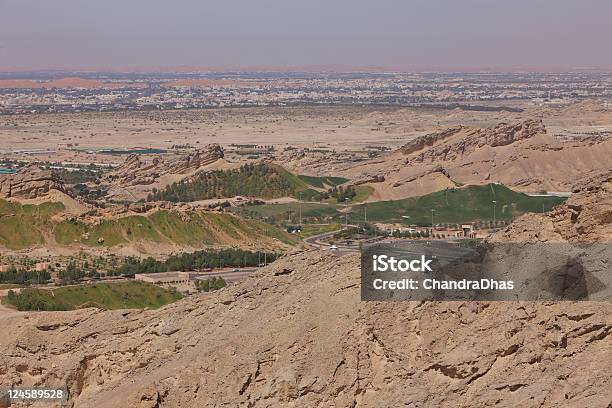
{"points": [[343, 194], [209, 285], [195, 261], [23, 276]]}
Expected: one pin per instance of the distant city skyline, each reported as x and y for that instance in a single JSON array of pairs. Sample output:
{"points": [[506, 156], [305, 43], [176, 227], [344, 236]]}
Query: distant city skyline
{"points": [[392, 35]]}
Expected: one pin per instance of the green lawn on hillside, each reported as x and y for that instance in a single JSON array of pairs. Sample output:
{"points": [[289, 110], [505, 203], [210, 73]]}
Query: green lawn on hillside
{"points": [[201, 229], [283, 212], [116, 295], [27, 226], [363, 192], [309, 230], [471, 203], [23, 226], [467, 204]]}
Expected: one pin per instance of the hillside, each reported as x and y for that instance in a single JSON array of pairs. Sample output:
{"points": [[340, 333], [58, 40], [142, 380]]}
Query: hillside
{"points": [[117, 295], [137, 176], [523, 156], [30, 182], [453, 205], [28, 226], [307, 340], [585, 217], [261, 180]]}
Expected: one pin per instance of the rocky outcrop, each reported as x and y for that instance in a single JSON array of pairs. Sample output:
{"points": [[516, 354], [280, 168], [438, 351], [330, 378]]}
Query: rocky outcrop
{"points": [[369, 178], [136, 171], [429, 140], [29, 183], [585, 217], [195, 160], [522, 156], [457, 142], [296, 334]]}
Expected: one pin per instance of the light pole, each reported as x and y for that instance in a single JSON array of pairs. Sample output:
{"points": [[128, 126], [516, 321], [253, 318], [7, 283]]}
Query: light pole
{"points": [[432, 221], [494, 202], [300, 207]]}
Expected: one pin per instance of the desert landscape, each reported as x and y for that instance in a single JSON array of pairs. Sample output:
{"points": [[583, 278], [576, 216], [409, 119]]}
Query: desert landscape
{"points": [[285, 348], [277, 344], [305, 205]]}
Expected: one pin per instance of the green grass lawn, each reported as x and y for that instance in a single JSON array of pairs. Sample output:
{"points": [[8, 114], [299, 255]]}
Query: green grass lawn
{"points": [[457, 205], [281, 212], [363, 192], [466, 204], [23, 226], [116, 295], [309, 230], [26, 226]]}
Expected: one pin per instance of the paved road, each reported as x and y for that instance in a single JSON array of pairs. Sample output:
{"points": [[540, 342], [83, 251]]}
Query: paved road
{"points": [[316, 241]]}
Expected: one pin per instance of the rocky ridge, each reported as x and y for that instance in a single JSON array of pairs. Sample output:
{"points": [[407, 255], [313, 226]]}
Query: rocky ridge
{"points": [[29, 183], [136, 172], [522, 155], [501, 135]]}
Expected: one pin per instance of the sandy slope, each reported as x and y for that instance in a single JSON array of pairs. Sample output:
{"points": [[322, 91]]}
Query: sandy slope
{"points": [[297, 335]]}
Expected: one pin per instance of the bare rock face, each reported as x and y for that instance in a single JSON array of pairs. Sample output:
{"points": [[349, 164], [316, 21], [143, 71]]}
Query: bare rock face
{"points": [[585, 217], [296, 334], [31, 182], [369, 178], [520, 155], [136, 172], [466, 140], [429, 140], [194, 161]]}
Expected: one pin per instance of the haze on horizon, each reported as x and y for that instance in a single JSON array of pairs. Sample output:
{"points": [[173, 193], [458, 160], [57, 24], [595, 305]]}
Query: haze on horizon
{"points": [[411, 35]]}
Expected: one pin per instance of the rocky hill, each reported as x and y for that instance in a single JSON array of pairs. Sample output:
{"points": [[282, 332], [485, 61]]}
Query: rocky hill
{"points": [[431, 148], [521, 155], [127, 181], [585, 217], [29, 183], [136, 229], [296, 334]]}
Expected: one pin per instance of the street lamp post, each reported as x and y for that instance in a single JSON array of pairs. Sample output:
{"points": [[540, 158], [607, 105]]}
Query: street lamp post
{"points": [[432, 221], [300, 207], [494, 202]]}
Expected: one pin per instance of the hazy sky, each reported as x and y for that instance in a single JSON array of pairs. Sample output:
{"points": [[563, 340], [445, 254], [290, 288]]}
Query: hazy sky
{"points": [[408, 34]]}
